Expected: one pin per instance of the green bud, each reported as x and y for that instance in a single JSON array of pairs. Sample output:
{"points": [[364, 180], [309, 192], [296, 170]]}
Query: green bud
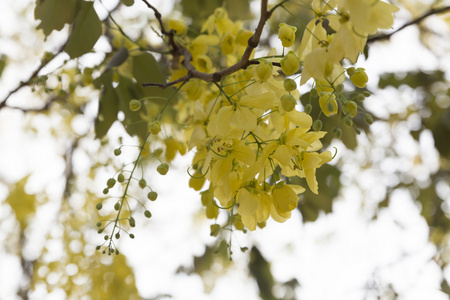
{"points": [[368, 119], [117, 152], [98, 248], [117, 252], [317, 125], [132, 222], [314, 93], [99, 224], [338, 132], [105, 191], [339, 88], [100, 230], [106, 237], [131, 236], [147, 214], [308, 108], [357, 131], [117, 206], [111, 182], [120, 178], [348, 121], [289, 85], [135, 105], [351, 71], [99, 206], [366, 94], [152, 195], [154, 127], [331, 106], [117, 235], [288, 102], [352, 108], [163, 169], [142, 183]]}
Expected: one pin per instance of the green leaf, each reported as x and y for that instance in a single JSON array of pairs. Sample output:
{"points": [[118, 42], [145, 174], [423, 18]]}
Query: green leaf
{"points": [[146, 69], [23, 204], [86, 30], [108, 107], [118, 58], [3, 60], [127, 2], [55, 13]]}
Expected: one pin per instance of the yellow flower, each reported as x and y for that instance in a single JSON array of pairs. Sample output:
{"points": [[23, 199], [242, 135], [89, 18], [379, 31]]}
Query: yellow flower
{"points": [[286, 34], [328, 103], [177, 25], [368, 16], [290, 63], [284, 198], [263, 70], [227, 44]]}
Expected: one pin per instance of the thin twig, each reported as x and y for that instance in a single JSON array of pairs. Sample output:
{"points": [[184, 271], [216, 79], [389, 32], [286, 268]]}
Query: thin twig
{"points": [[433, 11], [33, 75], [179, 51]]}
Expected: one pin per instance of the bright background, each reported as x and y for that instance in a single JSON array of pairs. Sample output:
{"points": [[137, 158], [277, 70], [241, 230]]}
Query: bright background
{"points": [[343, 255]]}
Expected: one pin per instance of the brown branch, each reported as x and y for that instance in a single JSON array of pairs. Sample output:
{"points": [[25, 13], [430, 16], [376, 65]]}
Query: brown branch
{"points": [[33, 75], [179, 51], [433, 11]]}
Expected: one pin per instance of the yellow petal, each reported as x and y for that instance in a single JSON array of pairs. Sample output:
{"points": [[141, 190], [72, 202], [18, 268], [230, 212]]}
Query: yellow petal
{"points": [[310, 175], [248, 202]]}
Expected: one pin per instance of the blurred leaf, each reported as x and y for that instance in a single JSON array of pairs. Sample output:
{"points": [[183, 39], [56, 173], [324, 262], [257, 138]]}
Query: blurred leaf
{"points": [[146, 69], [412, 79], [113, 281], [310, 204], [199, 10], [118, 58], [238, 9], [3, 60], [55, 13], [23, 204], [260, 270], [127, 2], [86, 30], [108, 106]]}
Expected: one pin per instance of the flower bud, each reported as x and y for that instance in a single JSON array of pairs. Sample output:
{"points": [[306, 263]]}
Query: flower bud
{"points": [[359, 78], [152, 195], [135, 105], [163, 169], [289, 85], [317, 125], [227, 44], [290, 63], [154, 127], [352, 108], [288, 102], [286, 34]]}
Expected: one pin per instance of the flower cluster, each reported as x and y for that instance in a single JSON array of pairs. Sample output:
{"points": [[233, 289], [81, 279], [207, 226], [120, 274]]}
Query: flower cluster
{"points": [[249, 132]]}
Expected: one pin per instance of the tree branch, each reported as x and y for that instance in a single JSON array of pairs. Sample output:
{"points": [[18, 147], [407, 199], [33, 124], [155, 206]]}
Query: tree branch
{"points": [[179, 51], [433, 11], [33, 75]]}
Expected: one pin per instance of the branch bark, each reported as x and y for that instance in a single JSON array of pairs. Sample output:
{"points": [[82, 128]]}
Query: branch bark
{"points": [[433, 11]]}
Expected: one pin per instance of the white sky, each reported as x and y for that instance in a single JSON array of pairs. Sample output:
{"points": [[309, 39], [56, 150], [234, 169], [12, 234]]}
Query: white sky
{"points": [[332, 258]]}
